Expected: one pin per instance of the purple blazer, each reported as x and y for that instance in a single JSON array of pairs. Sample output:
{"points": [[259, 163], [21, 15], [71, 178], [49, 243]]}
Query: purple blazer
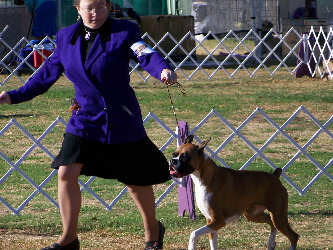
{"points": [[109, 111]]}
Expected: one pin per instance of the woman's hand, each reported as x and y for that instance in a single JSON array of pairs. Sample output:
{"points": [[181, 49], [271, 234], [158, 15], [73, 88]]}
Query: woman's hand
{"points": [[169, 77], [4, 98]]}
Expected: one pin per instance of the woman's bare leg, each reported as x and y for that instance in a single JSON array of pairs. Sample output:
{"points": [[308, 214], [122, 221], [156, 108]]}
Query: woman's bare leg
{"points": [[144, 199], [69, 197]]}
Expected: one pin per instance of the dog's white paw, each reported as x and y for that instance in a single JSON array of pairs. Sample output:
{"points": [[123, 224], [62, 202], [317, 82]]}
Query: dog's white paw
{"points": [[191, 247]]}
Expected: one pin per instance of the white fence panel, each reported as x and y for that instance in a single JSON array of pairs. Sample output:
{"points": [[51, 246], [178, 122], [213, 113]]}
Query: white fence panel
{"points": [[317, 48], [282, 51], [235, 133]]}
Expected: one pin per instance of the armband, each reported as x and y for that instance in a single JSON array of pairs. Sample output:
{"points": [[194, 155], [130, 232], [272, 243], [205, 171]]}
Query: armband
{"points": [[141, 48]]}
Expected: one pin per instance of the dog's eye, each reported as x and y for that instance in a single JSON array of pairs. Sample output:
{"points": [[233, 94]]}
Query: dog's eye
{"points": [[184, 157], [174, 154]]}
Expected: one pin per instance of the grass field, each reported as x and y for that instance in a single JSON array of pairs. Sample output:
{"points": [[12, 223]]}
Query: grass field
{"points": [[311, 215]]}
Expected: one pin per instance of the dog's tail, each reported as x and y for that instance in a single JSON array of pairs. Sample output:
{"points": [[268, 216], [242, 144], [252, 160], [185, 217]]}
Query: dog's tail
{"points": [[277, 172]]}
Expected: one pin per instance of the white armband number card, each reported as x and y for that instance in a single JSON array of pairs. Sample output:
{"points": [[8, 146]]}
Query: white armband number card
{"points": [[141, 48]]}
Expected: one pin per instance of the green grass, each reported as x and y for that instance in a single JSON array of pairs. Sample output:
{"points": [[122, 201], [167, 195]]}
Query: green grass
{"points": [[311, 215]]}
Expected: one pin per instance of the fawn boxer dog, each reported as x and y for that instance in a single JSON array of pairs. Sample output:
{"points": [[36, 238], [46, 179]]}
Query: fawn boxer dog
{"points": [[223, 194]]}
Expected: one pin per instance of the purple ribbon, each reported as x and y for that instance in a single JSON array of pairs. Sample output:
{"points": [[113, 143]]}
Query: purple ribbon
{"points": [[185, 190]]}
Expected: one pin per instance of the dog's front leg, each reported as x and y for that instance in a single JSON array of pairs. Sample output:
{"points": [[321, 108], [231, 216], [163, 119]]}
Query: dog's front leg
{"points": [[197, 233]]}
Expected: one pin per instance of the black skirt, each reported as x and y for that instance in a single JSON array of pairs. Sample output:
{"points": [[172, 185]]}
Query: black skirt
{"points": [[135, 163]]}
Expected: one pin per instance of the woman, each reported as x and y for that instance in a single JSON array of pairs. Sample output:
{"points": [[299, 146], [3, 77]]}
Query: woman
{"points": [[105, 136]]}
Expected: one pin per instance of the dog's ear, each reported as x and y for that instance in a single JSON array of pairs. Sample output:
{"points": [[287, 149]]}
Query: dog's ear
{"points": [[203, 145], [189, 139]]}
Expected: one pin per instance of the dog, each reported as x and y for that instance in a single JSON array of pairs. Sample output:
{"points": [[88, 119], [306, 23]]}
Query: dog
{"points": [[223, 194]]}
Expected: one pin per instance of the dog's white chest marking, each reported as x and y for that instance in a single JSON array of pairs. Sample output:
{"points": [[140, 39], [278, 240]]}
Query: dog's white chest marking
{"points": [[202, 197]]}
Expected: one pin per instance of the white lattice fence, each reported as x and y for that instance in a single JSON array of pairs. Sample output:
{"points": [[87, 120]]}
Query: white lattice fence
{"points": [[236, 133], [223, 57]]}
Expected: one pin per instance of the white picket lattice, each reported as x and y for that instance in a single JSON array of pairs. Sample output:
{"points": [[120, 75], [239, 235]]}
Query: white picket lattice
{"points": [[319, 46], [235, 133]]}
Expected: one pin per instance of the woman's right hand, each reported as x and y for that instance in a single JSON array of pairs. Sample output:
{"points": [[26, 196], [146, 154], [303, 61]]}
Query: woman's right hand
{"points": [[169, 77], [4, 98]]}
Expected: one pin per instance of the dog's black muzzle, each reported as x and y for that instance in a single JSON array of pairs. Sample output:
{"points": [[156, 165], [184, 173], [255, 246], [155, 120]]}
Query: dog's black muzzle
{"points": [[180, 167]]}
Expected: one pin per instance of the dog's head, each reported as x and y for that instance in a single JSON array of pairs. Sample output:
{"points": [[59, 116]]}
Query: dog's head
{"points": [[186, 159]]}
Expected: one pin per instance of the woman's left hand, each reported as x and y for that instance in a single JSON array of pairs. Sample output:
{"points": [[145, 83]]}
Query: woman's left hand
{"points": [[169, 77]]}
